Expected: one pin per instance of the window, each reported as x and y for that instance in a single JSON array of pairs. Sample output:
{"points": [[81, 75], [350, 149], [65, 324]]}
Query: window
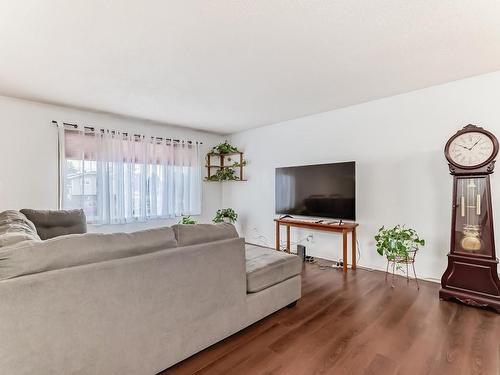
{"points": [[119, 178]]}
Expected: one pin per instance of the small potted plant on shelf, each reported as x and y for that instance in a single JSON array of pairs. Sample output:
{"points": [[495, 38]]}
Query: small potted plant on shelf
{"points": [[224, 174], [399, 245], [224, 148], [187, 220], [225, 215]]}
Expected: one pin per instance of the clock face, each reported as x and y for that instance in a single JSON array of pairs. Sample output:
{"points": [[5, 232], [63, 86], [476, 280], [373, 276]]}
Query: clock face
{"points": [[471, 149]]}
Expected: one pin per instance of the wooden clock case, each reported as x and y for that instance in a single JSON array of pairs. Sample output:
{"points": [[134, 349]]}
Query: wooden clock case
{"points": [[472, 278]]}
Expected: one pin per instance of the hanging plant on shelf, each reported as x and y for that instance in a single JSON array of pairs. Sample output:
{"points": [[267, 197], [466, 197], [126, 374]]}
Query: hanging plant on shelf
{"points": [[224, 174], [187, 220], [237, 164], [225, 215], [224, 148]]}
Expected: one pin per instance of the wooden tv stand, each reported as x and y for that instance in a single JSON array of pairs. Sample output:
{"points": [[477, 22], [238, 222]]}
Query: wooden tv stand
{"points": [[343, 228]]}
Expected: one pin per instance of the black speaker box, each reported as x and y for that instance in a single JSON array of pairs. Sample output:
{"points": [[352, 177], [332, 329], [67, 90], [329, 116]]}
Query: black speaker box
{"points": [[301, 252]]}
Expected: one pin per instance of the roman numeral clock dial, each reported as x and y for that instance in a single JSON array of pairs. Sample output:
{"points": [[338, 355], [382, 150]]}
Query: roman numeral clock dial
{"points": [[471, 149]]}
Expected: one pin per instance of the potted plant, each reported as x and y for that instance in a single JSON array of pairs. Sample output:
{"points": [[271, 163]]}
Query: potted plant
{"points": [[224, 148], [187, 220], [224, 174], [225, 215], [399, 245]]}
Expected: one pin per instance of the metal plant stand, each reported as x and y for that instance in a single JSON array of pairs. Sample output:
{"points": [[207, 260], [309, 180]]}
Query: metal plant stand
{"points": [[407, 260]]}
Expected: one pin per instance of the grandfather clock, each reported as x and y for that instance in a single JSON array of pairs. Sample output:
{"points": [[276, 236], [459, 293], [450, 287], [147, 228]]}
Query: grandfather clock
{"points": [[471, 276]]}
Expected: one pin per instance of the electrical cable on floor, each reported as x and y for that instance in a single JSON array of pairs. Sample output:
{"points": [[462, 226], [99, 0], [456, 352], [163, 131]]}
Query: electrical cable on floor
{"points": [[323, 266], [312, 260], [294, 243]]}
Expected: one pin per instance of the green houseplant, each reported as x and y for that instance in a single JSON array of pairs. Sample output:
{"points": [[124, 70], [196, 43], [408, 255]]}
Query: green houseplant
{"points": [[225, 215], [236, 164], [187, 220], [398, 243], [224, 174], [224, 148]]}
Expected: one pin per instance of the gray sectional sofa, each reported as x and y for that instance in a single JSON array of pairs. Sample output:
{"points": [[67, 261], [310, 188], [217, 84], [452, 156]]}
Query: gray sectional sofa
{"points": [[133, 303]]}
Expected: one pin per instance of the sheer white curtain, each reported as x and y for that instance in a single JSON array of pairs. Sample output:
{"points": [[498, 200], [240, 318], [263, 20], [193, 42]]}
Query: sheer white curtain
{"points": [[121, 178]]}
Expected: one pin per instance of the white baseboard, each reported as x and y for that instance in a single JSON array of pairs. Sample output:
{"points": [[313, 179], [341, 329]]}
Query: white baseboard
{"points": [[371, 269]]}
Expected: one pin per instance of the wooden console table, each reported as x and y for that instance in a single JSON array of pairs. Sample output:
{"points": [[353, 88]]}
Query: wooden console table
{"points": [[337, 228]]}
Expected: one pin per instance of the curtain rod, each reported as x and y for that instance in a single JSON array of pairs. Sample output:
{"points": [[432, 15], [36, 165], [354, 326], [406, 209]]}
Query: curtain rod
{"points": [[92, 129]]}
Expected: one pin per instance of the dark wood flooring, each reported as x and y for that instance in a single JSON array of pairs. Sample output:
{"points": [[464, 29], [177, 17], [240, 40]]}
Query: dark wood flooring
{"points": [[358, 324]]}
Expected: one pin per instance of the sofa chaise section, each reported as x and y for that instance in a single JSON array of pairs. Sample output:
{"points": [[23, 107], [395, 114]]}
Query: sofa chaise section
{"points": [[267, 267]]}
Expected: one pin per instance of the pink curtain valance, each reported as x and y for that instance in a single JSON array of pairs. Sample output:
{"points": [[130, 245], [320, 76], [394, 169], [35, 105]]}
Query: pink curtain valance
{"points": [[118, 147]]}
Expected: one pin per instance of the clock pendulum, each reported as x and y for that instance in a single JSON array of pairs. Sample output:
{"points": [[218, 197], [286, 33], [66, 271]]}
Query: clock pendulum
{"points": [[471, 276], [470, 208]]}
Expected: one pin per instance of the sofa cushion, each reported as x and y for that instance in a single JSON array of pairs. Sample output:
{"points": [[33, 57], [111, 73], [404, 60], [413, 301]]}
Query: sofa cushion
{"points": [[76, 249], [50, 224], [266, 267], [15, 228], [192, 234]]}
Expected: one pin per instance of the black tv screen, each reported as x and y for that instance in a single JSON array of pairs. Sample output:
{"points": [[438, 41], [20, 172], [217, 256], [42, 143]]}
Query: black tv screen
{"points": [[321, 190]]}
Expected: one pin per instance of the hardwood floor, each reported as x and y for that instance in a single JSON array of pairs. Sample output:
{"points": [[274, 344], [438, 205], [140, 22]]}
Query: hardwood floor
{"points": [[357, 324]]}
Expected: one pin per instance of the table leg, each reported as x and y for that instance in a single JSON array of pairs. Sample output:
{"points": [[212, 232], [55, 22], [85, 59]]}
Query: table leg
{"points": [[287, 238], [277, 236], [344, 251], [353, 235]]}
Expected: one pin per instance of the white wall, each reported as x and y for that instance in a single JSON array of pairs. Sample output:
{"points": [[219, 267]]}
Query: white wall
{"points": [[28, 154], [402, 176]]}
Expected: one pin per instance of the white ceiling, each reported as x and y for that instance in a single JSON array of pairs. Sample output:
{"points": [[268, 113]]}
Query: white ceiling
{"points": [[224, 65]]}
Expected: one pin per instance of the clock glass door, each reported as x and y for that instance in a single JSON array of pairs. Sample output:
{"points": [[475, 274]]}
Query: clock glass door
{"points": [[472, 230]]}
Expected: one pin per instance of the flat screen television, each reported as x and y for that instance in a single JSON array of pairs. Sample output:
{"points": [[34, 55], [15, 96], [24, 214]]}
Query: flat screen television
{"points": [[319, 190]]}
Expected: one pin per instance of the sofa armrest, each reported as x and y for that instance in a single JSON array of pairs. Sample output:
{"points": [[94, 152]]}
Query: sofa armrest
{"points": [[138, 315]]}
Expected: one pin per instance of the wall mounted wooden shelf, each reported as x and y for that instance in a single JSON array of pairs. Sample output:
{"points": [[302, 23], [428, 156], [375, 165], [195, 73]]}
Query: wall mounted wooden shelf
{"points": [[231, 164]]}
